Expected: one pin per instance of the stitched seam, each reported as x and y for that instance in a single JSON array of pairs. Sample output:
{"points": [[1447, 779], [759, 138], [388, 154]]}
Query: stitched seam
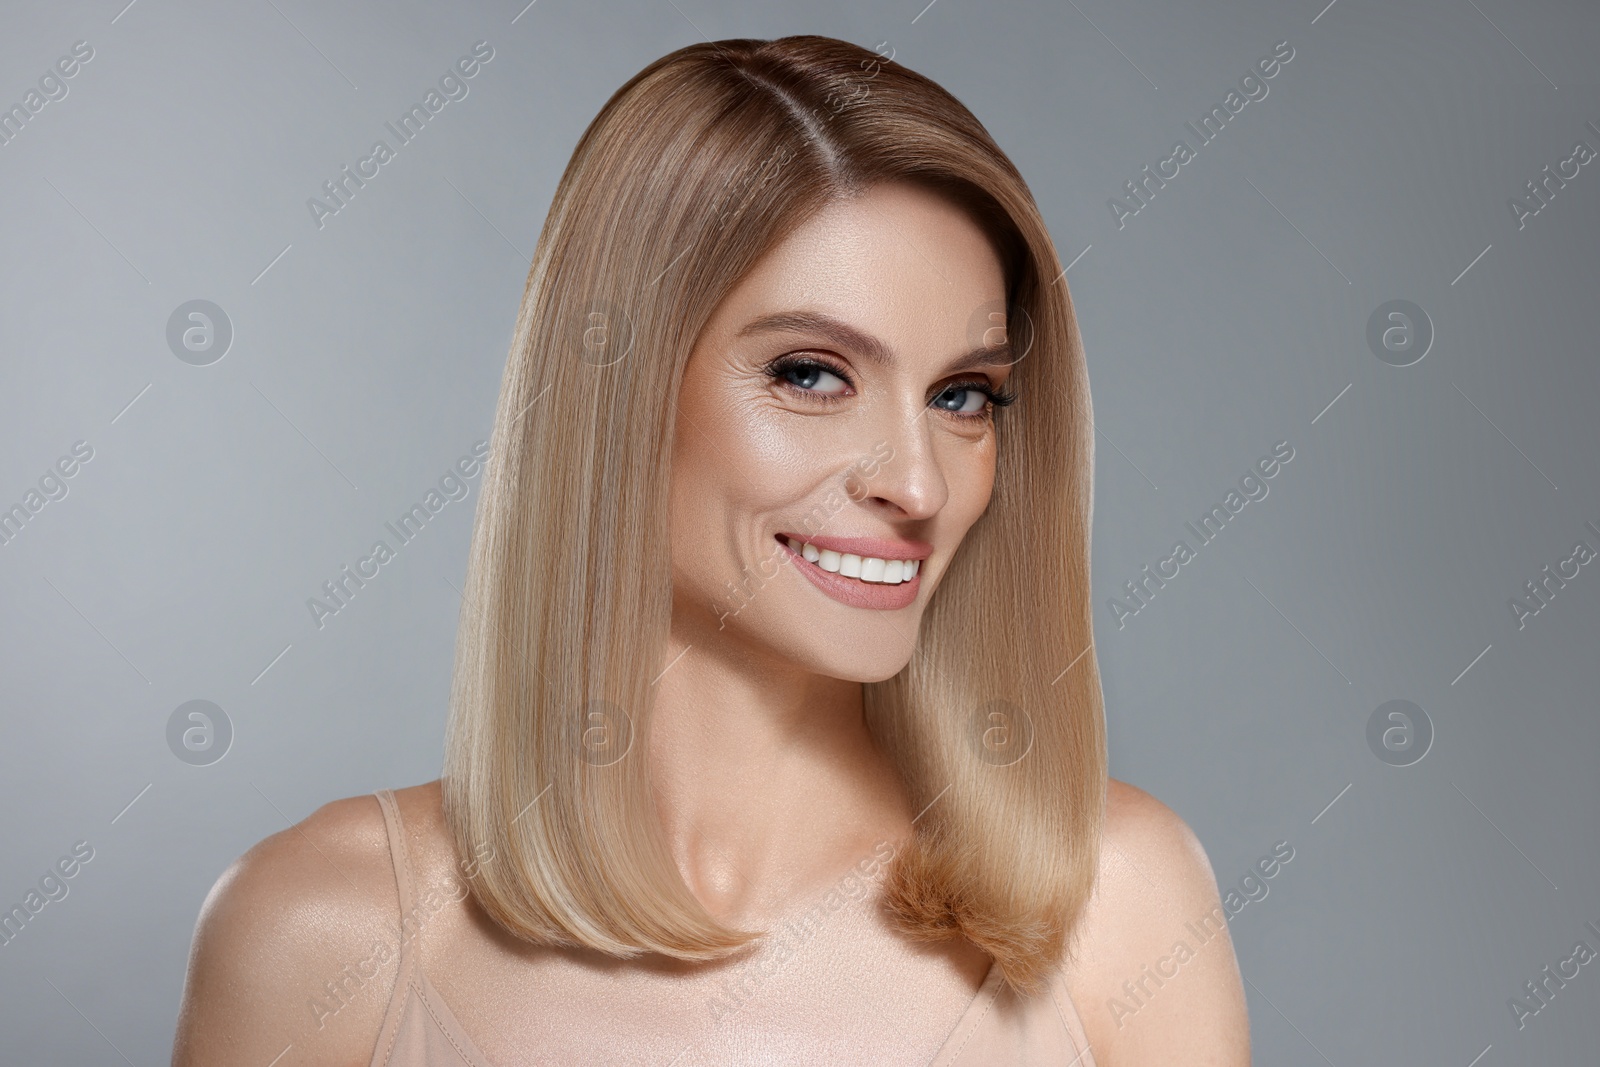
{"points": [[403, 882], [405, 977], [394, 1031], [427, 1004], [971, 1030], [1072, 1040], [405, 863]]}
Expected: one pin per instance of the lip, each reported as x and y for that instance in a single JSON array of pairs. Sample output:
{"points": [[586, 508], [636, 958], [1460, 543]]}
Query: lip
{"points": [[853, 591], [881, 547]]}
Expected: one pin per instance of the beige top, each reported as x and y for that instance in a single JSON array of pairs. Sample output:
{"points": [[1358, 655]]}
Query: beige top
{"points": [[998, 1026]]}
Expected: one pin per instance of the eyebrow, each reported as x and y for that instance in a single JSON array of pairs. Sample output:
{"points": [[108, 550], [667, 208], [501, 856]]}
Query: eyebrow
{"points": [[844, 335]]}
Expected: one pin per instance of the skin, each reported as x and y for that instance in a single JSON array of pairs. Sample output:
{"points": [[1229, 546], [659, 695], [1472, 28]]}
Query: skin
{"points": [[768, 782], [760, 725]]}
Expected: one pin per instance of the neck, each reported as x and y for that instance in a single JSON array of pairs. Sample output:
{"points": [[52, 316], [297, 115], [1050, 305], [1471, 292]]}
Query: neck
{"points": [[767, 781]]}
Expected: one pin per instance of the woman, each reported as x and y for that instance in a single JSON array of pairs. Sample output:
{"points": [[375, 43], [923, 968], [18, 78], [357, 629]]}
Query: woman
{"points": [[776, 733]]}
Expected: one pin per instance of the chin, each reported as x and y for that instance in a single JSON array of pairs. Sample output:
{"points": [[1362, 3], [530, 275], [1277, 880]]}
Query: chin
{"points": [[881, 671], [853, 656]]}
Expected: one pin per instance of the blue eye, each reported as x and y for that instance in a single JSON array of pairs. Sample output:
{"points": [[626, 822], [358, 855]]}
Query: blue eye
{"points": [[966, 394], [803, 374]]}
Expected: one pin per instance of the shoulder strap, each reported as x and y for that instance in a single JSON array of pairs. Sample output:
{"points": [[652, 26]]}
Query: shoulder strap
{"points": [[384, 1046], [402, 873], [1071, 1019]]}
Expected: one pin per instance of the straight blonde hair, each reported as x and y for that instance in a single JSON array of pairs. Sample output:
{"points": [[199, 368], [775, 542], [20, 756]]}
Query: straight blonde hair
{"points": [[691, 172]]}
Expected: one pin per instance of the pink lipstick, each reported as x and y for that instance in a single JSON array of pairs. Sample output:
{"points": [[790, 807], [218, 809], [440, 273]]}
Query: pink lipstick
{"points": [[855, 591]]}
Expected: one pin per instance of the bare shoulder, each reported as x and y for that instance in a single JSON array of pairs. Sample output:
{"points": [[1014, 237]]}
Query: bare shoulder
{"points": [[1154, 976], [295, 946], [1138, 826]]}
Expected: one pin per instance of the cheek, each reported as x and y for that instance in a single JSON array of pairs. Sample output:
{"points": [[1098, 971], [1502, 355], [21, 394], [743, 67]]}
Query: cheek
{"points": [[739, 456], [735, 466], [757, 455], [971, 477], [770, 444]]}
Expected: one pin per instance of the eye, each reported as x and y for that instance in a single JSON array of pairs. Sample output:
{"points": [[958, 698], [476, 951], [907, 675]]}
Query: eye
{"points": [[809, 375], [963, 399], [975, 399]]}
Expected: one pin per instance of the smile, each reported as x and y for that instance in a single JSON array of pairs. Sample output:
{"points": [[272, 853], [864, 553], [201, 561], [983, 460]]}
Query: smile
{"points": [[851, 565], [885, 582]]}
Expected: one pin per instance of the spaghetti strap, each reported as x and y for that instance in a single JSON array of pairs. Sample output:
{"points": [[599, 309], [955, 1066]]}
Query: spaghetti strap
{"points": [[420, 1029], [405, 979], [397, 849]]}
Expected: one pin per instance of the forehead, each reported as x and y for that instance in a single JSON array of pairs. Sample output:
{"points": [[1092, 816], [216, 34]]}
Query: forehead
{"points": [[904, 263]]}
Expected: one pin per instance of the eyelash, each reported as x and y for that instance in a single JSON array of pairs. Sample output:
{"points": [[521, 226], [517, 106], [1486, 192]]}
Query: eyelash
{"points": [[997, 398]]}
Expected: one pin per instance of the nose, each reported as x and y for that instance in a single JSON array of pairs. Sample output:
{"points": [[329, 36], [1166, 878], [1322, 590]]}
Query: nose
{"points": [[902, 475]]}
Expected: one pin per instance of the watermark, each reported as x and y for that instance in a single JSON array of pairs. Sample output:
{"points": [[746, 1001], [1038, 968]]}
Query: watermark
{"points": [[1252, 887], [52, 87], [1399, 333], [52, 486], [855, 90], [1139, 591], [779, 556], [740, 190], [605, 334], [1000, 732], [1542, 591], [341, 189], [199, 332], [199, 732], [1139, 990], [1542, 190], [737, 194], [1399, 733], [1252, 86], [607, 733], [994, 324], [339, 591], [781, 944], [341, 990], [1542, 989], [51, 887]]}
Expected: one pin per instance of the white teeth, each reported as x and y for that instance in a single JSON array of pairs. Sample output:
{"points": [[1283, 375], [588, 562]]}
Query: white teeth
{"points": [[866, 568]]}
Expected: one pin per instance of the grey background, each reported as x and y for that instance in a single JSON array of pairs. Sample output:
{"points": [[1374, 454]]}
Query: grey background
{"points": [[1229, 314]]}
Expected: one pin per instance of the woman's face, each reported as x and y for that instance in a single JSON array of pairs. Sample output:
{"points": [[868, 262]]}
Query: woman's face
{"points": [[837, 397]]}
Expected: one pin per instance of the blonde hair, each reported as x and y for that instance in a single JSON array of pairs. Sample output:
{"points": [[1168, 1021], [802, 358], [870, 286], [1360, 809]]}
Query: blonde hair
{"points": [[690, 173]]}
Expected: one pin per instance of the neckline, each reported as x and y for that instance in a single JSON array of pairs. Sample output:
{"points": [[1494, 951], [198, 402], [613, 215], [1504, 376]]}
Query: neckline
{"points": [[438, 1008], [414, 978]]}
